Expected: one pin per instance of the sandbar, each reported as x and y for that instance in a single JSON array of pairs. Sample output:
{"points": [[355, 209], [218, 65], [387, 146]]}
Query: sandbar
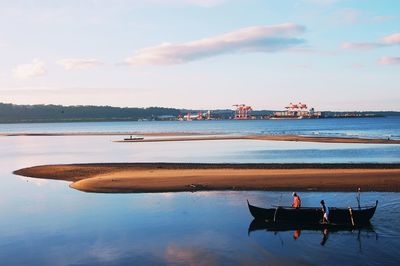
{"points": [[270, 138], [205, 136], [178, 177]]}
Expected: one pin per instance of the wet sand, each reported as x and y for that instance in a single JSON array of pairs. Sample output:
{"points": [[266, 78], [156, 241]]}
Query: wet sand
{"points": [[169, 177], [198, 136], [271, 138]]}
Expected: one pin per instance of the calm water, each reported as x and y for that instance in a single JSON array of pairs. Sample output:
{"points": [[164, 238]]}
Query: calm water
{"points": [[382, 127], [47, 223]]}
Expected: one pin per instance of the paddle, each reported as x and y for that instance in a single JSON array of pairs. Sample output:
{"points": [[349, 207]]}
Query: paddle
{"points": [[276, 209], [351, 216]]}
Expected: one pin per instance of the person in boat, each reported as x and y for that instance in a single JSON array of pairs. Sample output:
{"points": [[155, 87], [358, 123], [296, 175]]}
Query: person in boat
{"points": [[296, 200], [325, 212]]}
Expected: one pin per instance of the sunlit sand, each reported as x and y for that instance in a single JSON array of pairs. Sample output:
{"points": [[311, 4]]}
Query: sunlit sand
{"points": [[164, 177]]}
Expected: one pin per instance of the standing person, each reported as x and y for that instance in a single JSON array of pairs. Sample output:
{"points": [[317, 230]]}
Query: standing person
{"points": [[325, 212], [296, 200]]}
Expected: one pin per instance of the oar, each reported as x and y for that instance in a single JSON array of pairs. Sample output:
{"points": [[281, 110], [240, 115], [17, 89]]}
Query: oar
{"points": [[276, 209], [351, 216]]}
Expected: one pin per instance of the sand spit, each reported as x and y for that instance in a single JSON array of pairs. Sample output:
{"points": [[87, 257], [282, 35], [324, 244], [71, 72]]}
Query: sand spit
{"points": [[271, 138], [169, 177], [196, 136]]}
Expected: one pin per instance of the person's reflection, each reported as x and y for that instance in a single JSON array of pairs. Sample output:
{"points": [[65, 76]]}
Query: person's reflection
{"points": [[296, 234], [325, 233]]}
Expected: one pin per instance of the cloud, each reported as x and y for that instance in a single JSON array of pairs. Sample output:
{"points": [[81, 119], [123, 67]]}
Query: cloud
{"points": [[360, 45], [382, 19], [349, 16], [202, 3], [322, 2], [35, 69], [190, 255], [390, 40], [74, 63], [354, 16], [252, 39], [388, 60]]}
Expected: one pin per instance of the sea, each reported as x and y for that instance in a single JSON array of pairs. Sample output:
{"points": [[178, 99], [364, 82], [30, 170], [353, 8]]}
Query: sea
{"points": [[45, 222]]}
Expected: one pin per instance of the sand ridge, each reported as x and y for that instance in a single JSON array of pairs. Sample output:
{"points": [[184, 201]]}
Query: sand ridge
{"points": [[270, 138], [198, 136], [164, 177]]}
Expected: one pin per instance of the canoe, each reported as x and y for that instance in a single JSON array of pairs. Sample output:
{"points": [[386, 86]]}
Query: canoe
{"points": [[313, 215]]}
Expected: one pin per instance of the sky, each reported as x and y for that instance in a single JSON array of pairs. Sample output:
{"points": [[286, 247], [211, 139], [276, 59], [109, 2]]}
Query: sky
{"points": [[201, 54]]}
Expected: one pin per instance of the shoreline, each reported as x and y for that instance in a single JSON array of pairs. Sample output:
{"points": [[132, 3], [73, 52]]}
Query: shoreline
{"points": [[295, 138], [178, 177], [199, 136]]}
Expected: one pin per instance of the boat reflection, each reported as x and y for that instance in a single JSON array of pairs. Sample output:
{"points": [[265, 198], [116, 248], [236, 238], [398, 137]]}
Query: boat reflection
{"points": [[325, 229]]}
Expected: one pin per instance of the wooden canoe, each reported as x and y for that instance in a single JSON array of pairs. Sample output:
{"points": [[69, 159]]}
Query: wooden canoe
{"points": [[313, 215]]}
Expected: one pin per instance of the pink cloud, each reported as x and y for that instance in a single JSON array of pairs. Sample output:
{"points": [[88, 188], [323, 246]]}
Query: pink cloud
{"points": [[360, 45], [252, 39], [393, 39], [35, 69], [388, 60], [76, 63]]}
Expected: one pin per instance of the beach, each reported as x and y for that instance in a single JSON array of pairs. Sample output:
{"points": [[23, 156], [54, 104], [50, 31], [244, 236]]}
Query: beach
{"points": [[177, 177]]}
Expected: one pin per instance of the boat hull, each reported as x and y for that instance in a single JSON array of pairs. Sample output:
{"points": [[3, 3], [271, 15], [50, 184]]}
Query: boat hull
{"points": [[310, 215]]}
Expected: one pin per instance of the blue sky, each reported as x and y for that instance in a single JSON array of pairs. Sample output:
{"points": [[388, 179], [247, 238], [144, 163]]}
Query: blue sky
{"points": [[330, 54]]}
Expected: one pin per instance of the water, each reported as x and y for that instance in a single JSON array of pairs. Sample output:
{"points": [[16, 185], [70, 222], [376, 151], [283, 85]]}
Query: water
{"points": [[45, 222], [72, 228], [382, 127], [67, 149]]}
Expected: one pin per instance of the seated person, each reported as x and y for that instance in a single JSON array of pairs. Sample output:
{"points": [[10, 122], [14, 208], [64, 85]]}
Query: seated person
{"points": [[296, 201]]}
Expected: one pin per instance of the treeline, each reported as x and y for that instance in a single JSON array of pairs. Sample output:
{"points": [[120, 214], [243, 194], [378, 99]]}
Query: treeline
{"points": [[361, 114], [11, 113]]}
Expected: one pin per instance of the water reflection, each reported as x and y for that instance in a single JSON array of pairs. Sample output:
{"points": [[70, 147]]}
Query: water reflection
{"points": [[47, 223], [324, 229]]}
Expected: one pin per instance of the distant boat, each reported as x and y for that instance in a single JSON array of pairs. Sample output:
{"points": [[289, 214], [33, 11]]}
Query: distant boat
{"points": [[133, 139], [313, 215], [286, 117]]}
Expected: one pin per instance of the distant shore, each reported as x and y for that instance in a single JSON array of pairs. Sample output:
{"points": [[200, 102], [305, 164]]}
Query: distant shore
{"points": [[176, 177], [206, 136]]}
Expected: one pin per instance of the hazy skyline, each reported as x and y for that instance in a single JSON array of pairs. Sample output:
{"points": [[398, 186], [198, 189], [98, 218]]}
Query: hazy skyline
{"points": [[330, 54]]}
